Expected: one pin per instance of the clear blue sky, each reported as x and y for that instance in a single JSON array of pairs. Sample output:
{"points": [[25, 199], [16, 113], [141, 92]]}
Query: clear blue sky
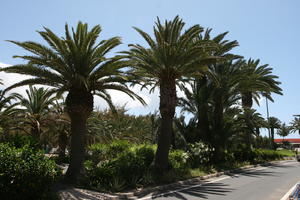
{"points": [[266, 29]]}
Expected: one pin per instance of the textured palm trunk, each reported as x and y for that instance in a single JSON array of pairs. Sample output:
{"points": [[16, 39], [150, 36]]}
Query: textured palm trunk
{"points": [[62, 144], [203, 124], [203, 121], [35, 132], [167, 110], [257, 131], [247, 100], [79, 107], [220, 141], [272, 138]]}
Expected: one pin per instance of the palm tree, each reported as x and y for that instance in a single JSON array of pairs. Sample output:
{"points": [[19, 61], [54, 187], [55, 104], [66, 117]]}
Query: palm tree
{"points": [[8, 111], [251, 122], [273, 123], [76, 64], [258, 81], [284, 131], [35, 109], [214, 93], [295, 125], [171, 56]]}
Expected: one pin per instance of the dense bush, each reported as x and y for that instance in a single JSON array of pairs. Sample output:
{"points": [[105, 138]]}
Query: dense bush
{"points": [[20, 141], [118, 165], [199, 154], [263, 155], [256, 155], [179, 159], [121, 166], [24, 173]]}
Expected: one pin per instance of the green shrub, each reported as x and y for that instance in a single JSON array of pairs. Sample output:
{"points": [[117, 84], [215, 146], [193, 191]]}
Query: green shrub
{"points": [[178, 159], [117, 147], [97, 152], [199, 154], [24, 173], [146, 154], [256, 155], [20, 141], [263, 155], [128, 168]]}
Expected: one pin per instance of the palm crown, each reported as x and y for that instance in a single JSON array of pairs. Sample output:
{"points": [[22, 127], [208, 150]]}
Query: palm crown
{"points": [[75, 62], [258, 80]]}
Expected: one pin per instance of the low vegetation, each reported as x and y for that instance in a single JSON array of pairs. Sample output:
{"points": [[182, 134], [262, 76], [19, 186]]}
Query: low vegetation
{"points": [[25, 173]]}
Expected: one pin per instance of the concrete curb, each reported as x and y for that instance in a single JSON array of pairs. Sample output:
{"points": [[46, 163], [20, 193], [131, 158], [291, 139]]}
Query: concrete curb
{"points": [[295, 193], [135, 193]]}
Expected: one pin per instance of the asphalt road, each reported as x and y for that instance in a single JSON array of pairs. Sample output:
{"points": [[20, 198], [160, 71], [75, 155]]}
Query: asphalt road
{"points": [[262, 183]]}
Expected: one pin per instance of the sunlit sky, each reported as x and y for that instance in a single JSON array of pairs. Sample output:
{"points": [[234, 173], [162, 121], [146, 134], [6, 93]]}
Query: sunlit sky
{"points": [[268, 30]]}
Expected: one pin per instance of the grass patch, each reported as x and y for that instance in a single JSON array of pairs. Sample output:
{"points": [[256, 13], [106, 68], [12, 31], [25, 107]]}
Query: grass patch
{"points": [[286, 152]]}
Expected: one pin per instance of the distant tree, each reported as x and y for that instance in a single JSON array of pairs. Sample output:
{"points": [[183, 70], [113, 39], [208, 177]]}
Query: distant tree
{"points": [[273, 123], [35, 109], [284, 131], [295, 125], [250, 121]]}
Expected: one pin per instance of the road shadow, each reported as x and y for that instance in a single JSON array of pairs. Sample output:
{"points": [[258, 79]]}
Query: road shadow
{"points": [[199, 190], [280, 165], [252, 173], [202, 189]]}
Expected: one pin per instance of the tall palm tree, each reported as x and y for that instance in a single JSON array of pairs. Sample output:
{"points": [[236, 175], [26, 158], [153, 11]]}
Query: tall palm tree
{"points": [[258, 81], [295, 125], [213, 93], [76, 64], [172, 55], [273, 123], [35, 108]]}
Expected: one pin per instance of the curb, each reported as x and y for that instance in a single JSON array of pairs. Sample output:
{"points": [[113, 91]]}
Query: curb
{"points": [[295, 193], [134, 194]]}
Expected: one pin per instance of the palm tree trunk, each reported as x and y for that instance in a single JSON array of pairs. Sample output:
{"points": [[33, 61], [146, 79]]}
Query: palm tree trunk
{"points": [[62, 144], [167, 110], [219, 139], [203, 121], [79, 107], [272, 138], [247, 100]]}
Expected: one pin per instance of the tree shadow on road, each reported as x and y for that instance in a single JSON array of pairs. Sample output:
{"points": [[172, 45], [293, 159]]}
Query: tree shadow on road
{"points": [[279, 165], [198, 191], [202, 191], [253, 173]]}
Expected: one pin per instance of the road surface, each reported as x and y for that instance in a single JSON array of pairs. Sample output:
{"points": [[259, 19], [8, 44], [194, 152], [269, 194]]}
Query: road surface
{"points": [[262, 183]]}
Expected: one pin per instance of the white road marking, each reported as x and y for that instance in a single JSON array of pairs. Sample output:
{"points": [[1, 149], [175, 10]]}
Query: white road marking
{"points": [[286, 196]]}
